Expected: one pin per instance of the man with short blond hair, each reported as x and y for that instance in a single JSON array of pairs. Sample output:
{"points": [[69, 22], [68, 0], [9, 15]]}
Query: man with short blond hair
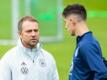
{"points": [[28, 60]]}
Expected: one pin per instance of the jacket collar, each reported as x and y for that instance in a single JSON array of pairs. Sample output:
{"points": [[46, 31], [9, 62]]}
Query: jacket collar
{"points": [[85, 35], [31, 52]]}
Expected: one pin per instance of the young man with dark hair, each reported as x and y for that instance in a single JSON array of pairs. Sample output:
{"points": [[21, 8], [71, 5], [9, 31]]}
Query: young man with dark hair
{"points": [[87, 60]]}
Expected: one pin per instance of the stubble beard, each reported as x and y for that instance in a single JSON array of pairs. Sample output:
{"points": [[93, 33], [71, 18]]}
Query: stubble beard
{"points": [[73, 33], [33, 44]]}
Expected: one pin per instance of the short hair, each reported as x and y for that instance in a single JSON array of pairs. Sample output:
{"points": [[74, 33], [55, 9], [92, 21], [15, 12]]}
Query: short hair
{"points": [[75, 9], [25, 18]]}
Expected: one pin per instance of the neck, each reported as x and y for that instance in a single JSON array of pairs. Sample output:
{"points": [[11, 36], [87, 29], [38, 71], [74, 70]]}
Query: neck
{"points": [[26, 45], [82, 29]]}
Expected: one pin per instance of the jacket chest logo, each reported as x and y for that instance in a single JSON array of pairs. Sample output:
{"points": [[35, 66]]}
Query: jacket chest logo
{"points": [[24, 69], [42, 62]]}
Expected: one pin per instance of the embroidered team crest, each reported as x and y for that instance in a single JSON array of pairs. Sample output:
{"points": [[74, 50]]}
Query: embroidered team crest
{"points": [[23, 63], [42, 62], [24, 69]]}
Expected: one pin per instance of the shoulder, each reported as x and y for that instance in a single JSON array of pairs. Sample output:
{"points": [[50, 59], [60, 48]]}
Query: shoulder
{"points": [[89, 49], [89, 44], [9, 54]]}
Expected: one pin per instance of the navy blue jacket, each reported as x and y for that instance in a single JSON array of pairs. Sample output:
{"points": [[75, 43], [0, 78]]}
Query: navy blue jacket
{"points": [[87, 60]]}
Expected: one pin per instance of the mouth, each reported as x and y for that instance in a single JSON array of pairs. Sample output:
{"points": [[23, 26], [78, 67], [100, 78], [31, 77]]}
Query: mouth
{"points": [[33, 39]]}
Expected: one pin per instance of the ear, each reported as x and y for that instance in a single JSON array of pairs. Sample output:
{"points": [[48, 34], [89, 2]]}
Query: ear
{"points": [[19, 33]]}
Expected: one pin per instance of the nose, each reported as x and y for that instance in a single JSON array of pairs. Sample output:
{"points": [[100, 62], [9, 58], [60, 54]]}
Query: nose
{"points": [[33, 33]]}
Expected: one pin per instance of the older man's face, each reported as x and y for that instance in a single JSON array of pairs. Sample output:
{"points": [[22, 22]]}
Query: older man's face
{"points": [[29, 34]]}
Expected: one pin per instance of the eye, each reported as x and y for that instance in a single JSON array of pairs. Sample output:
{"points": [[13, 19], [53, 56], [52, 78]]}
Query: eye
{"points": [[70, 19], [36, 30], [28, 31]]}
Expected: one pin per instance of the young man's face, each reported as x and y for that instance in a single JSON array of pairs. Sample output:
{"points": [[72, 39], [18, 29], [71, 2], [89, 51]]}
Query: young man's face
{"points": [[71, 24], [29, 34]]}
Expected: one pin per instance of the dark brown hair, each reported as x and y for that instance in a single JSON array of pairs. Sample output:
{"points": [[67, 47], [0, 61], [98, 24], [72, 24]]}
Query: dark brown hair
{"points": [[75, 9]]}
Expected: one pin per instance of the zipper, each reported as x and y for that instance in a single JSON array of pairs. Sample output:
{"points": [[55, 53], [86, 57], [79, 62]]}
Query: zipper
{"points": [[33, 61], [31, 54]]}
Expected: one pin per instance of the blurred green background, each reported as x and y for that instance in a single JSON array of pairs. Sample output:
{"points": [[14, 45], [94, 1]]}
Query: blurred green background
{"points": [[61, 50]]}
